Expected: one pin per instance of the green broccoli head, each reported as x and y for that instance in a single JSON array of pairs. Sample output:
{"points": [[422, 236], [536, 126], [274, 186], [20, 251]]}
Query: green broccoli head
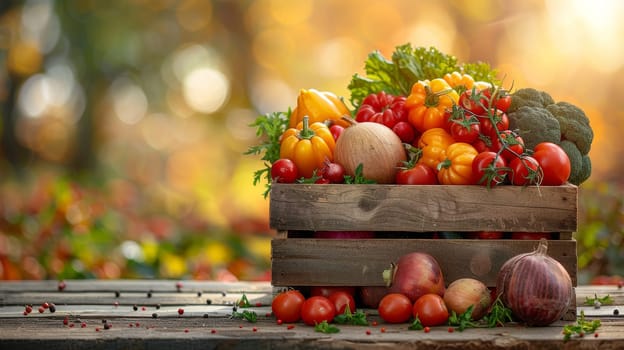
{"points": [[529, 97], [574, 125], [535, 124], [580, 164]]}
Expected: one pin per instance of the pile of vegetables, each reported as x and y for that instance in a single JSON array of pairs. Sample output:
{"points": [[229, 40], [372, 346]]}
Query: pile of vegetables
{"points": [[422, 118], [416, 293]]}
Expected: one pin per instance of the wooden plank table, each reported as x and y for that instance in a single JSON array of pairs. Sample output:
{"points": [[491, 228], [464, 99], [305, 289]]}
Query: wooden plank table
{"points": [[144, 314]]}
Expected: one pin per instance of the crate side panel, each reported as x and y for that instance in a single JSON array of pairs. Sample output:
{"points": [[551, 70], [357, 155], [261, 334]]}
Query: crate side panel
{"points": [[423, 208], [320, 262]]}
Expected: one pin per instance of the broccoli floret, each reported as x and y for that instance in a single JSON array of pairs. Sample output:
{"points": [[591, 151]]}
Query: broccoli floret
{"points": [[529, 97], [574, 125], [580, 164], [535, 124]]}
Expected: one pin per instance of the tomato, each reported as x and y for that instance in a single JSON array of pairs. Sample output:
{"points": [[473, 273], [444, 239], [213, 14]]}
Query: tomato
{"points": [[382, 108], [405, 131], [511, 144], [489, 169], [284, 170], [482, 144], [419, 174], [336, 130], [484, 235], [465, 130], [525, 171], [473, 101], [341, 300], [455, 164], [531, 235], [554, 162], [430, 310], [286, 306], [503, 101], [395, 308], [317, 309], [325, 291], [493, 118]]}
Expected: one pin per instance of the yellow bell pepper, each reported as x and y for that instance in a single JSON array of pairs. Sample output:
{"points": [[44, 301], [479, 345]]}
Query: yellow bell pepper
{"points": [[308, 146], [458, 81], [427, 103], [455, 164], [319, 106], [433, 143]]}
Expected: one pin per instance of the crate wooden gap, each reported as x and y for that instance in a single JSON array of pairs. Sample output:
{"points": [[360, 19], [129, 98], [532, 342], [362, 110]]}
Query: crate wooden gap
{"points": [[403, 218]]}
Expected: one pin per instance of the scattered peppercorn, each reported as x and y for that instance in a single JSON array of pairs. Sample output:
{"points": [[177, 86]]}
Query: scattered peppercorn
{"points": [[83, 325], [199, 293], [137, 325], [208, 301], [66, 320], [157, 306], [52, 308], [135, 308], [61, 286], [205, 315], [616, 312], [223, 294], [154, 315], [254, 329], [117, 294], [180, 311], [149, 294], [178, 286], [97, 329], [213, 331]]}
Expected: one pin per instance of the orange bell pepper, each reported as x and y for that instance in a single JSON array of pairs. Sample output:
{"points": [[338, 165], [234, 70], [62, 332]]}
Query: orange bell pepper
{"points": [[428, 102], [455, 164], [308, 146]]}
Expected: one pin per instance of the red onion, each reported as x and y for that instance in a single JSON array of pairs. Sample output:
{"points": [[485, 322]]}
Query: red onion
{"points": [[415, 274], [536, 287]]}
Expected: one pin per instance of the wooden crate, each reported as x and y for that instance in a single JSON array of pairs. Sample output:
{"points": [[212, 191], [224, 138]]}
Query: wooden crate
{"points": [[409, 213]]}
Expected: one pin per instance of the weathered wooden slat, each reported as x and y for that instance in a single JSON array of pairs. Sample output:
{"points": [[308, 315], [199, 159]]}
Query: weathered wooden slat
{"points": [[423, 208], [310, 262]]}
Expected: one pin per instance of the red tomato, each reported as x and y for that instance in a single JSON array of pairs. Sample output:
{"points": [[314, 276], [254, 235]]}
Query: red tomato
{"points": [[325, 291], [489, 169], [511, 144], [405, 131], [419, 174], [341, 300], [503, 101], [382, 108], [466, 130], [316, 310], [284, 170], [499, 118], [336, 130], [395, 308], [286, 306], [473, 101], [531, 235], [484, 235], [525, 171], [430, 310], [554, 162], [482, 143]]}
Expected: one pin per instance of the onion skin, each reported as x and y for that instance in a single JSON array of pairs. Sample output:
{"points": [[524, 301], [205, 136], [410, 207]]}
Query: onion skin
{"points": [[536, 287], [373, 145], [415, 274], [464, 292]]}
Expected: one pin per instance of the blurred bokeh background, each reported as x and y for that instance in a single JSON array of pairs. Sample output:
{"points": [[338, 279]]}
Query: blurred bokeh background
{"points": [[124, 123]]}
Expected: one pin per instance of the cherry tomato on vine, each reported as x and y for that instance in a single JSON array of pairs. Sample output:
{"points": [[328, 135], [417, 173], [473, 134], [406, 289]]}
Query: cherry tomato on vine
{"points": [[554, 162], [419, 174], [430, 310], [525, 170], [474, 101], [495, 119], [317, 309], [341, 300], [511, 144], [466, 130], [286, 306], [503, 101], [284, 170], [395, 308], [489, 169], [482, 143]]}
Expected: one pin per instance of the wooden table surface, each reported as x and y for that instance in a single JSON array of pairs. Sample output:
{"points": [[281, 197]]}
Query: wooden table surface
{"points": [[144, 314]]}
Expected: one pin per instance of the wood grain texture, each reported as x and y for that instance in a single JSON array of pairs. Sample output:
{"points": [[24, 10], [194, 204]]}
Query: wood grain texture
{"points": [[309, 262], [423, 208]]}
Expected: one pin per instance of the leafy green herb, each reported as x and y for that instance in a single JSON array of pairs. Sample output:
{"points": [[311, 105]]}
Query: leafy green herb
{"points": [[498, 315], [597, 301], [244, 302], [247, 315], [357, 319], [581, 327], [416, 325], [269, 128], [358, 178], [463, 320], [325, 327], [406, 67]]}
